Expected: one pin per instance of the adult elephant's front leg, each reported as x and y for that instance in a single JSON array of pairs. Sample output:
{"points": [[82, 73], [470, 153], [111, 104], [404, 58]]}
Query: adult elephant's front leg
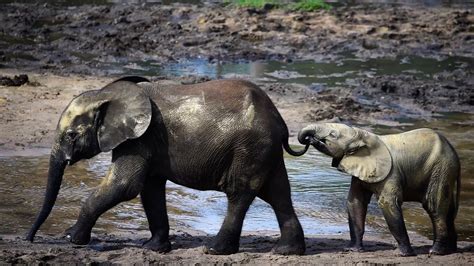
{"points": [[123, 182], [357, 202], [228, 238], [154, 202]]}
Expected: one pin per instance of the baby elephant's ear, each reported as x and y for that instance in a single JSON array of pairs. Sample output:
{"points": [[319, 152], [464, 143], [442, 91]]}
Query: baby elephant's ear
{"points": [[371, 163]]}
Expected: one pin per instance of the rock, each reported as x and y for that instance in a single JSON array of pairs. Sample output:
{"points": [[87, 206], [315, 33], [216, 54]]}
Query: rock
{"points": [[15, 81], [387, 87]]}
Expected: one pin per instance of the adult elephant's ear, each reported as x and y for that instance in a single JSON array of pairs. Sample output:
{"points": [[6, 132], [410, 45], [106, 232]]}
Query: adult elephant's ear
{"points": [[124, 114], [371, 161]]}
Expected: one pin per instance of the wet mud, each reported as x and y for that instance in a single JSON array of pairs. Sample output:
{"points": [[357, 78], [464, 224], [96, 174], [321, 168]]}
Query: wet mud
{"points": [[55, 36], [188, 249], [87, 39]]}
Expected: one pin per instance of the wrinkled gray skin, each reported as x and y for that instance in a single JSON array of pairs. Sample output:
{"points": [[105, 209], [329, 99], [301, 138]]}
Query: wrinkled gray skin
{"points": [[418, 165], [219, 135]]}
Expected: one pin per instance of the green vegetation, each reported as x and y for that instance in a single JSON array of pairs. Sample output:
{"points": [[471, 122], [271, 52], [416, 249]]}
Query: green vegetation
{"points": [[300, 5], [255, 3], [310, 5]]}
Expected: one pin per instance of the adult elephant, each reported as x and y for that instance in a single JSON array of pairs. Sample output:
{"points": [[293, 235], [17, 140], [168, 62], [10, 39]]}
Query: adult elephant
{"points": [[219, 135]]}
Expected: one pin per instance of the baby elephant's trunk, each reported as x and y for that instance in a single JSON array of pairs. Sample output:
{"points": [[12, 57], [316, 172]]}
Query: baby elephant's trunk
{"points": [[306, 134]]}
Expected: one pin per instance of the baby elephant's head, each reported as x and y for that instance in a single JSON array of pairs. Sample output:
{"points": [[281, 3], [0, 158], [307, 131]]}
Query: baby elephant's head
{"points": [[354, 150]]}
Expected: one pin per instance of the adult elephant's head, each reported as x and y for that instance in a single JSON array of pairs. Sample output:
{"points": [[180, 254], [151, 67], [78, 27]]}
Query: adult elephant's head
{"points": [[95, 121], [354, 151]]}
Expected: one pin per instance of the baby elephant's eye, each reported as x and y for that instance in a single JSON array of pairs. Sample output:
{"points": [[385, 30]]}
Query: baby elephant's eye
{"points": [[351, 150], [333, 134]]}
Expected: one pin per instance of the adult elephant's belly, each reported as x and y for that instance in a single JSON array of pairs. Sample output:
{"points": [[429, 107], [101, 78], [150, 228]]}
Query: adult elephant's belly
{"points": [[201, 177], [198, 171]]}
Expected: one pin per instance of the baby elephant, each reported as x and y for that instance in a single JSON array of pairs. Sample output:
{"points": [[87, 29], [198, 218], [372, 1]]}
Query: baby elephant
{"points": [[418, 165]]}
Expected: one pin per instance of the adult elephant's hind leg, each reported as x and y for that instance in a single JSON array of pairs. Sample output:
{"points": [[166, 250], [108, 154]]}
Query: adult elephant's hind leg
{"points": [[154, 202], [276, 192], [228, 238]]}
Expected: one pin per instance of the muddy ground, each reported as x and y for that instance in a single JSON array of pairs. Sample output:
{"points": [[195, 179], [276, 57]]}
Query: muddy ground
{"points": [[65, 50], [188, 248], [90, 39], [65, 39]]}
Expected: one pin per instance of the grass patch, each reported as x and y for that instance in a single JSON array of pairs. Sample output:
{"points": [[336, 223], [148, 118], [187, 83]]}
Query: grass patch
{"points": [[255, 3], [310, 5], [298, 5]]}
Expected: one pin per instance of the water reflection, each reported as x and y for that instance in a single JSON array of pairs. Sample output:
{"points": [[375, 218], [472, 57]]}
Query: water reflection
{"points": [[319, 194]]}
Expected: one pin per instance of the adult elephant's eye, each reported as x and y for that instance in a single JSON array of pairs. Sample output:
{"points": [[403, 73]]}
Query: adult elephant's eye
{"points": [[72, 135]]}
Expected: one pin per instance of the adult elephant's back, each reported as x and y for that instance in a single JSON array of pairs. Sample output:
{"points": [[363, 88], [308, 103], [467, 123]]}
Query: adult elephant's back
{"points": [[210, 125]]}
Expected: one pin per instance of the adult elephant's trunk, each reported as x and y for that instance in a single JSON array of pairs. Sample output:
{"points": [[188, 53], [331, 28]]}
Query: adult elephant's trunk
{"points": [[55, 176]]}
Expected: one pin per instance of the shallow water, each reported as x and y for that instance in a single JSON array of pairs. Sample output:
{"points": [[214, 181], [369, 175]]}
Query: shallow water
{"points": [[318, 74], [318, 192]]}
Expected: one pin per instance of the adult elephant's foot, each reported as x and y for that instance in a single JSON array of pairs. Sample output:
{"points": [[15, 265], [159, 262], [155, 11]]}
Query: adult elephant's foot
{"points": [[78, 237], [220, 248], [440, 249], [156, 244], [354, 248], [224, 244], [289, 249], [407, 251]]}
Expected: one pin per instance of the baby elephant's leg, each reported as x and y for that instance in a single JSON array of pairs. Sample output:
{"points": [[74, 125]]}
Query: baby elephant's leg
{"points": [[440, 206], [390, 201], [357, 202]]}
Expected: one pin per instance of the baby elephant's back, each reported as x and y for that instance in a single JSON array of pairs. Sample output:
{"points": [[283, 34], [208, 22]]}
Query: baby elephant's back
{"points": [[421, 153]]}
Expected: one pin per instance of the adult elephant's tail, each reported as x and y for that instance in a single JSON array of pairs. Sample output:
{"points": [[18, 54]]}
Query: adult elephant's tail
{"points": [[458, 192], [288, 149]]}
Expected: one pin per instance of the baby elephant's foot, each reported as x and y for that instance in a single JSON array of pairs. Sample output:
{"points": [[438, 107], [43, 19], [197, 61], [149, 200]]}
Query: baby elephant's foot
{"points": [[156, 245], [407, 251], [440, 249], [289, 248], [78, 237]]}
